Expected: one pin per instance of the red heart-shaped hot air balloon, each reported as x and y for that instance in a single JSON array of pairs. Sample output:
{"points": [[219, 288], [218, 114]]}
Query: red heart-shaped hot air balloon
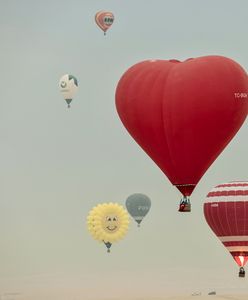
{"points": [[226, 212], [183, 114]]}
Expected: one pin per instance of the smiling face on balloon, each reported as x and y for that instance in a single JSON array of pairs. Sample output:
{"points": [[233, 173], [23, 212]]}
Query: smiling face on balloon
{"points": [[110, 223]]}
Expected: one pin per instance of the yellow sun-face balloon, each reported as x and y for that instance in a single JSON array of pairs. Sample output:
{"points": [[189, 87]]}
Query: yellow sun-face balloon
{"points": [[108, 222]]}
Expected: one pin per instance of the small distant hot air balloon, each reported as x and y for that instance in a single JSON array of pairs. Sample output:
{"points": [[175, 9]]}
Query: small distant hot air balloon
{"points": [[226, 212], [183, 114], [104, 19], [68, 85], [138, 206], [108, 223]]}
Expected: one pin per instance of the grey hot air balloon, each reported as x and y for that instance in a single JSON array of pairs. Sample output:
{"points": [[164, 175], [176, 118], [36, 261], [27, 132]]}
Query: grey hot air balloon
{"points": [[138, 206]]}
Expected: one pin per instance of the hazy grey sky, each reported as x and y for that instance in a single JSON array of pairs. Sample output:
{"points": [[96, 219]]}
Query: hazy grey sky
{"points": [[56, 164]]}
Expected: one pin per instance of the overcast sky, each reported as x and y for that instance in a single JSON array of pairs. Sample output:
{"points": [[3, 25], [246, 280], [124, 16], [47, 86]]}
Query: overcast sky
{"points": [[56, 164]]}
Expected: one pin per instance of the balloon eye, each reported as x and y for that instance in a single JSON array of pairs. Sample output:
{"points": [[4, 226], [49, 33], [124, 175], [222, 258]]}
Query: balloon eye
{"points": [[109, 219], [63, 84], [114, 219]]}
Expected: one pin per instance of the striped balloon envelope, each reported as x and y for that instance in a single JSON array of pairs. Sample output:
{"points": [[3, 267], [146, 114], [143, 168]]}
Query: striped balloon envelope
{"points": [[226, 212], [104, 20]]}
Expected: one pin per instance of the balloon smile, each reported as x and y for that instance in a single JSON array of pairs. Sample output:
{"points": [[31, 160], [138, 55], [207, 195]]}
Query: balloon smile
{"points": [[111, 229]]}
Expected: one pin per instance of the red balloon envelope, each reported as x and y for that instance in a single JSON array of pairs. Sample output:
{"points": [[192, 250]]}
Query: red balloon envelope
{"points": [[226, 212], [183, 114], [104, 19]]}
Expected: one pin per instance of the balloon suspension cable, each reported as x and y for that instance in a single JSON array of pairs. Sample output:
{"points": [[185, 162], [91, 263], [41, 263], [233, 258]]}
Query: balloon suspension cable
{"points": [[138, 225], [108, 245], [104, 32], [68, 106]]}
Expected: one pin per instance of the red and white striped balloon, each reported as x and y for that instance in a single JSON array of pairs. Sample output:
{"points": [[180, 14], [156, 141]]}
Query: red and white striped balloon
{"points": [[226, 212], [104, 19]]}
